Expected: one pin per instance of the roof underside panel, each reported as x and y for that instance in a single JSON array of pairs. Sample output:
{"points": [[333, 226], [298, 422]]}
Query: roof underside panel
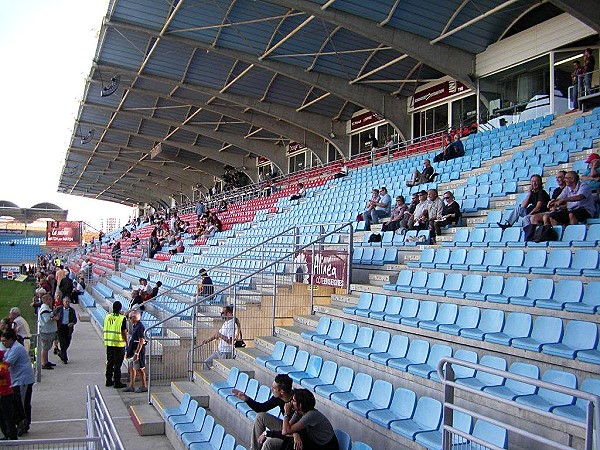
{"points": [[169, 60], [208, 69], [124, 48], [287, 92], [148, 13]]}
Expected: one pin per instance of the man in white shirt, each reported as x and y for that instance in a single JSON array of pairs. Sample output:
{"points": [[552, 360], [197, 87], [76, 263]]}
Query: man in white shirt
{"points": [[226, 337], [21, 327], [383, 208]]}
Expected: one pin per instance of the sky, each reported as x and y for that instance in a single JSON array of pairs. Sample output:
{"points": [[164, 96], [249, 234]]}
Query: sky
{"points": [[47, 48]]}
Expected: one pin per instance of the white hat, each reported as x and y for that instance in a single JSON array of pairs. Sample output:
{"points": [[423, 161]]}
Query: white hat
{"points": [[40, 291]]}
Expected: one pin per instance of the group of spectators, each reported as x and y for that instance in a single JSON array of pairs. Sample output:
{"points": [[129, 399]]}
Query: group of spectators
{"points": [[582, 76], [573, 201]]}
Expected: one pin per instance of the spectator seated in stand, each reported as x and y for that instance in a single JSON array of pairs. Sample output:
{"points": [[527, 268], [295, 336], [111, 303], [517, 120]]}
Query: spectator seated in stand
{"points": [[398, 215], [538, 219], [592, 175], [421, 214], [536, 201], [343, 172], [575, 203], [453, 150], [426, 176], [300, 193], [377, 208], [450, 213]]}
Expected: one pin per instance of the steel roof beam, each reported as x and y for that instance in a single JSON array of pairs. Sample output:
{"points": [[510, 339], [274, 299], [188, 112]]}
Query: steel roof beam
{"points": [[447, 59], [393, 109]]}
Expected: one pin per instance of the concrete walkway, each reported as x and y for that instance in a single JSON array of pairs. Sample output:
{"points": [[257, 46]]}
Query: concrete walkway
{"points": [[59, 400]]}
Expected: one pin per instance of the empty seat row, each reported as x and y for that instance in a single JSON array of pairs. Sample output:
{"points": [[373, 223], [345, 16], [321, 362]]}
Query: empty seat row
{"points": [[197, 429], [538, 261], [571, 235], [544, 334], [571, 295]]}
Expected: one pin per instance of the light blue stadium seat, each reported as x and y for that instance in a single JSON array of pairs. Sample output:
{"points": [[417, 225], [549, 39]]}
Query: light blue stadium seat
{"points": [[251, 391], [491, 285], [341, 383], [348, 335], [546, 399], [517, 325], [325, 377], [468, 317], [364, 302], [323, 325], [335, 332], [364, 337], [512, 237], [546, 330], [401, 407], [360, 390], [214, 443], [357, 254], [379, 398], [571, 233], [397, 349], [203, 435], [410, 308], [196, 425], [452, 283], [534, 259], [538, 289], [361, 446], [240, 384], [232, 377], [474, 257], [390, 256], [427, 311], [188, 417], [471, 284], [289, 355], [379, 344], [299, 365], [492, 257], [457, 256], [565, 291], [491, 321], [442, 256], [461, 238], [378, 305], [488, 432], [313, 368], [461, 371], [428, 369], [446, 314], [392, 306], [513, 287], [403, 280], [578, 411], [417, 353], [427, 417], [228, 443], [367, 255], [592, 238], [483, 379], [512, 259], [426, 257], [344, 439], [419, 280], [512, 388], [585, 262], [578, 336], [432, 440], [590, 302]]}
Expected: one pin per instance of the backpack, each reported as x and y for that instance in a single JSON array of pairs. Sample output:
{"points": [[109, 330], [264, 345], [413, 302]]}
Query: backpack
{"points": [[375, 237], [545, 233]]}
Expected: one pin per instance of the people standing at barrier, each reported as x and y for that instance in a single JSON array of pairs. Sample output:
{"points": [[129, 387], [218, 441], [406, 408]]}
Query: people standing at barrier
{"points": [[115, 337], [282, 395], [21, 327], [308, 427], [226, 337], [9, 410], [589, 63], [66, 320], [136, 353], [47, 328], [21, 374], [577, 82]]}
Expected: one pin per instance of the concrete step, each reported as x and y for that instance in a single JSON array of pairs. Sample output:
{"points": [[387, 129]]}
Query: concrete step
{"points": [[178, 388], [147, 420]]}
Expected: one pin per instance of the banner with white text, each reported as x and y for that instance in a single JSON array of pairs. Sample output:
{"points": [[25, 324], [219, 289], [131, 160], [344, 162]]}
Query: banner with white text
{"points": [[63, 234]]}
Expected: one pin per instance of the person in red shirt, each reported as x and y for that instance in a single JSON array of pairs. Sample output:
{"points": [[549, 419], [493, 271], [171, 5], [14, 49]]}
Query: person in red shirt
{"points": [[8, 407]]}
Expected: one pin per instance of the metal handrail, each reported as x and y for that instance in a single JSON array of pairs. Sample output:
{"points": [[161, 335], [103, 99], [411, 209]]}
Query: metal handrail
{"points": [[106, 428], [593, 410]]}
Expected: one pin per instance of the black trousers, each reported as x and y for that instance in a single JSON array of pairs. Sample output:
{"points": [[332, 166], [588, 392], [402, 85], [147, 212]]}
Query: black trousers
{"points": [[64, 340], [23, 394], [114, 360], [9, 416]]}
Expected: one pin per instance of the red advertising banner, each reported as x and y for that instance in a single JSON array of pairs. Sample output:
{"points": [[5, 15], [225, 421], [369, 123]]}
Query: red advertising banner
{"points": [[63, 234], [438, 92], [363, 120], [329, 268]]}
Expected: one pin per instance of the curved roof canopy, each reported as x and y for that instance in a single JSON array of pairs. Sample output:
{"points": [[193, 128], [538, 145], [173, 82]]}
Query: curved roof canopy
{"points": [[179, 89]]}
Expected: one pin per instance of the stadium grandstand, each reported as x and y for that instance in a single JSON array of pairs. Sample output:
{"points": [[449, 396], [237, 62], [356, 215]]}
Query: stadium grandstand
{"points": [[251, 134]]}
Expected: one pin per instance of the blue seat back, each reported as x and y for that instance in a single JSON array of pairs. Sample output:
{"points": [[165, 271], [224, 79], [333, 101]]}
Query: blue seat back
{"points": [[462, 371], [344, 439], [494, 362], [427, 310], [364, 336], [547, 329], [428, 413], [492, 320], [517, 324], [418, 351], [491, 433], [398, 346], [410, 307], [404, 402], [564, 379], [581, 335]]}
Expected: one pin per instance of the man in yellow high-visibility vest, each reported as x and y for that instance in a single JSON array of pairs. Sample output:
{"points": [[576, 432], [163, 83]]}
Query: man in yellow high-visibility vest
{"points": [[115, 339]]}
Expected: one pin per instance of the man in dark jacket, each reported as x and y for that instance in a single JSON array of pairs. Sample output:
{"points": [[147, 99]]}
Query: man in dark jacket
{"points": [[67, 318]]}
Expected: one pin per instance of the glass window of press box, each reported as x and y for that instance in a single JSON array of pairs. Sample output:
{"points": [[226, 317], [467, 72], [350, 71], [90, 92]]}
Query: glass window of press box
{"points": [[358, 141]]}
